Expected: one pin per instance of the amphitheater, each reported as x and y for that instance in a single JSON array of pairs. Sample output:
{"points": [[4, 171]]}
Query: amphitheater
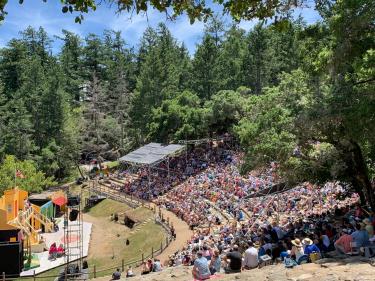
{"points": [[175, 203]]}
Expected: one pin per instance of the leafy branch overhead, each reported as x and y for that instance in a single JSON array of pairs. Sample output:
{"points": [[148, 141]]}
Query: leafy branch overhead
{"points": [[195, 9]]}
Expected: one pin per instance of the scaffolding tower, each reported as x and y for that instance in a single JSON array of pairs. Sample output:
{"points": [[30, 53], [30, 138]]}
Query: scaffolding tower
{"points": [[73, 237]]}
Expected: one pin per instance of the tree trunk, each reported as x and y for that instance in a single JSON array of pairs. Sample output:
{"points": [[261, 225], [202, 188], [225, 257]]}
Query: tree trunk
{"points": [[358, 173]]}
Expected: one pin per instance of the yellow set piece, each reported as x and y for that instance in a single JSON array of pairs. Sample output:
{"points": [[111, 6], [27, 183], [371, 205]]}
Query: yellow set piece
{"points": [[11, 203], [16, 213]]}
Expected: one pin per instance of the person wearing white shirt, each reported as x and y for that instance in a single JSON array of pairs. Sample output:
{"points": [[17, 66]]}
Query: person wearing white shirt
{"points": [[250, 257]]}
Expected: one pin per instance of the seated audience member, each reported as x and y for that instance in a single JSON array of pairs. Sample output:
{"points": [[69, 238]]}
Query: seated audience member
{"points": [[215, 263], [233, 260], [84, 271], [206, 252], [116, 275], [60, 251], [279, 251], [129, 272], [288, 261], [369, 227], [186, 260], [310, 247], [360, 235], [342, 245], [156, 267], [312, 251], [324, 242], [201, 270], [297, 249], [146, 269], [250, 257], [52, 251]]}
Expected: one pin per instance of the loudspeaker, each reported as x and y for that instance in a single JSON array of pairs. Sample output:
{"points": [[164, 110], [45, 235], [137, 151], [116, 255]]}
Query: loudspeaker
{"points": [[73, 201], [73, 215]]}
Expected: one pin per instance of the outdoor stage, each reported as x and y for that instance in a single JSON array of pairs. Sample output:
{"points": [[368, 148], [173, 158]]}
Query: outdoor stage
{"points": [[58, 238]]}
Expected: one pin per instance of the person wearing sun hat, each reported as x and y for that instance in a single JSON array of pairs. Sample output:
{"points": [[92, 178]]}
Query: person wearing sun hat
{"points": [[297, 249], [310, 247]]}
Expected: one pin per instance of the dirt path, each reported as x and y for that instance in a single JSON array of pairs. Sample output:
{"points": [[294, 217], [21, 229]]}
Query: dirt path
{"points": [[183, 233]]}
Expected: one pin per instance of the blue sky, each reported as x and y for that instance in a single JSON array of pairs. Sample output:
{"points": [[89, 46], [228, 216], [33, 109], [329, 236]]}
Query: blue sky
{"points": [[48, 15]]}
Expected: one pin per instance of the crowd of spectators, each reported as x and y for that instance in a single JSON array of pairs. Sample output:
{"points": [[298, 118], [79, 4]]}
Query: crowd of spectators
{"points": [[240, 247], [234, 230]]}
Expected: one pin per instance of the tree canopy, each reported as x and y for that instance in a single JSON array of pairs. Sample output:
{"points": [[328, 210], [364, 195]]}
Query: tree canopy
{"points": [[196, 10], [29, 179]]}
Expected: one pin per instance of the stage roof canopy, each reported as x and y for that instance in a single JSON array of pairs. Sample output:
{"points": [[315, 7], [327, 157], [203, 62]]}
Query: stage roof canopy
{"points": [[152, 153]]}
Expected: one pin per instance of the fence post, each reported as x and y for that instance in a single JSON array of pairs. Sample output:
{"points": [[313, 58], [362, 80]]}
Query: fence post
{"points": [[152, 252], [143, 257], [167, 241], [34, 274], [3, 276], [122, 265], [94, 271], [161, 247]]}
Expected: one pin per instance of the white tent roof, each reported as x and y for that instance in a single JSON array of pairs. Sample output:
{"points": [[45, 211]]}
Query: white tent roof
{"points": [[151, 153]]}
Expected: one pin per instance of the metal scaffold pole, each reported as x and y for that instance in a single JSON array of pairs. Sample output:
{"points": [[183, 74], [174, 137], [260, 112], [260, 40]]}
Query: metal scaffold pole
{"points": [[73, 236]]}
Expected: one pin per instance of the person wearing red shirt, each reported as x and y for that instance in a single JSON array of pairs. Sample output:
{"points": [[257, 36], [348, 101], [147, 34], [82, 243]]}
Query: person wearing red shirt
{"points": [[342, 245]]}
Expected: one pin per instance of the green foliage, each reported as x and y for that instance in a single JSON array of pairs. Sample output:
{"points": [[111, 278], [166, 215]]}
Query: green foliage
{"points": [[224, 110], [316, 122], [205, 68], [33, 181], [278, 10], [178, 118], [35, 106], [161, 74], [230, 59]]}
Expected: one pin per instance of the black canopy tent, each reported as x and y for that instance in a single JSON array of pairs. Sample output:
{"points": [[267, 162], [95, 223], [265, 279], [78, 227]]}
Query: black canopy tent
{"points": [[151, 155]]}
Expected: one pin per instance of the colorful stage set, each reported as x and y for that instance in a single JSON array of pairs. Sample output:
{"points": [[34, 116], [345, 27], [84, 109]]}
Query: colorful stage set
{"points": [[28, 228]]}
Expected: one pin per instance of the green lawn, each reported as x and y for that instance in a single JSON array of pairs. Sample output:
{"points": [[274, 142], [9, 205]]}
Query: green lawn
{"points": [[150, 235], [108, 207], [141, 213]]}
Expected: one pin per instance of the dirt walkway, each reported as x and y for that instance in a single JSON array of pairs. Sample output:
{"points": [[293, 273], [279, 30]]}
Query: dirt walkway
{"points": [[183, 233]]}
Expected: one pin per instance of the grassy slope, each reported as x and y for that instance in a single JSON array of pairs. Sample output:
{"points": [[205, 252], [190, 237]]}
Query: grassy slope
{"points": [[108, 207], [150, 235]]}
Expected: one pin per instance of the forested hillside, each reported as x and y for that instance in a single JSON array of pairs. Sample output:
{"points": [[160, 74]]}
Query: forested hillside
{"points": [[99, 96], [301, 95]]}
